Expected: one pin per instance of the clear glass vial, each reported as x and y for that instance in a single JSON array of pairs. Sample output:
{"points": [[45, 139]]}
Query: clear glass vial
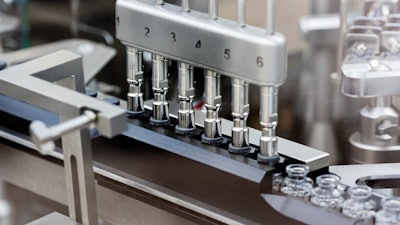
{"points": [[297, 184], [359, 205], [390, 213], [327, 194]]}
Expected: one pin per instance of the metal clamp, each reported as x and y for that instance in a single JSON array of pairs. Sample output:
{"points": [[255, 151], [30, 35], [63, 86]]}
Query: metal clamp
{"points": [[43, 136]]}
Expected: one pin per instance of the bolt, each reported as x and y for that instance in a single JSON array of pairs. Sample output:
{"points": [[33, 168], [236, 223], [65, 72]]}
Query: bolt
{"points": [[359, 49], [394, 46]]}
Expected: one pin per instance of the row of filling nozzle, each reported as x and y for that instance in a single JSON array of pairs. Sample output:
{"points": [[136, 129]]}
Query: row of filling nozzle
{"points": [[213, 100], [186, 93], [328, 193]]}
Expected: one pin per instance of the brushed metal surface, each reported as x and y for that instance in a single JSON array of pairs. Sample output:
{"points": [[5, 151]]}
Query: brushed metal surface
{"points": [[248, 53]]}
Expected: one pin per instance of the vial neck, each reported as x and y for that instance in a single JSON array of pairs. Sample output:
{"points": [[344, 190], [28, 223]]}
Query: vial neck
{"points": [[327, 188], [360, 198], [297, 178]]}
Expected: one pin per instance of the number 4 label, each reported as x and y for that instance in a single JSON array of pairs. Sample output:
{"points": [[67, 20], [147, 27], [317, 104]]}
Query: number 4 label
{"points": [[198, 44]]}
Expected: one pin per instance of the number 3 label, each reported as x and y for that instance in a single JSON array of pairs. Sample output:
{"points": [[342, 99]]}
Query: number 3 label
{"points": [[173, 37]]}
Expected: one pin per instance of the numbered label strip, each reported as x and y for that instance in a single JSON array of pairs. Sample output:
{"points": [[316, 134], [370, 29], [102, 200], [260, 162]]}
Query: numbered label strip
{"points": [[246, 53]]}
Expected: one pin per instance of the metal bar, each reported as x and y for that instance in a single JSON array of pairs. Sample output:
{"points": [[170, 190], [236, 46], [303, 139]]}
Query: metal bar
{"points": [[270, 18], [213, 9], [241, 14], [93, 61], [78, 163], [185, 5], [28, 82]]}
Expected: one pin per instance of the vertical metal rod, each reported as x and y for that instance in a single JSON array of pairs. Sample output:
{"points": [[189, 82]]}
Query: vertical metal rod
{"points": [[134, 71], [268, 122], [241, 13], [160, 88], [240, 106], [212, 122], [186, 124], [79, 175], [240, 113], [270, 18], [186, 120], [185, 5], [213, 9]]}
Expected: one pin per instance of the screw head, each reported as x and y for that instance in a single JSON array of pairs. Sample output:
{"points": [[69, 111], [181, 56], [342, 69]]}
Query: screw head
{"points": [[394, 46], [359, 49]]}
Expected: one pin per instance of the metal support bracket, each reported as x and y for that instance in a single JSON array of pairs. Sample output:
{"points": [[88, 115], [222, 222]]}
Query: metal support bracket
{"points": [[31, 83]]}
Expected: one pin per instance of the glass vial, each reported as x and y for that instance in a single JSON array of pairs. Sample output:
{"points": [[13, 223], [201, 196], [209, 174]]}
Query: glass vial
{"points": [[390, 213], [327, 194], [297, 184], [359, 205]]}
